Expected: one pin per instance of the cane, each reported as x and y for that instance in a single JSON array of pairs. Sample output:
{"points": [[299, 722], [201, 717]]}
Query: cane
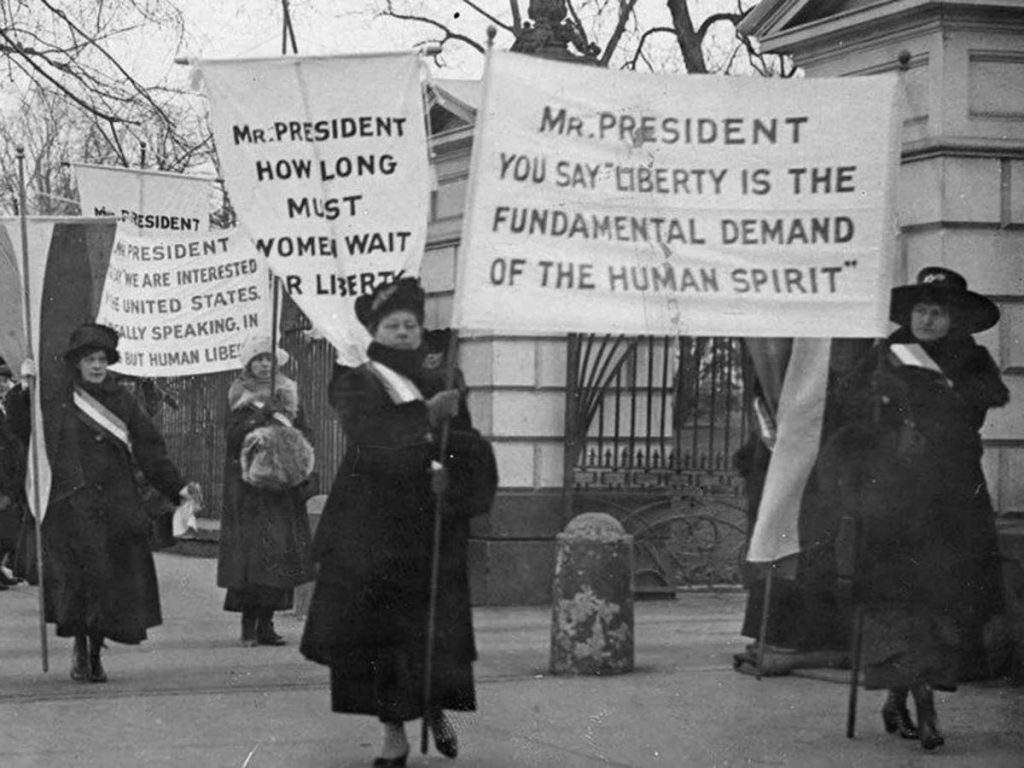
{"points": [[851, 709], [435, 554]]}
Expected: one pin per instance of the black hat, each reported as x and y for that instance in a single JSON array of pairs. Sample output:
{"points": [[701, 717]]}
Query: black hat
{"points": [[5, 369], [89, 338], [938, 285], [404, 293]]}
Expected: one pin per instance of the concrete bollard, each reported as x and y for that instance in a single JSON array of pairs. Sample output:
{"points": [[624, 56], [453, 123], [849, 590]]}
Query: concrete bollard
{"points": [[592, 616]]}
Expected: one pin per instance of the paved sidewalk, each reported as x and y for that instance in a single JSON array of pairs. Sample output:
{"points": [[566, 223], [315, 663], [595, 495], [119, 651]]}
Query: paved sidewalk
{"points": [[191, 696]]}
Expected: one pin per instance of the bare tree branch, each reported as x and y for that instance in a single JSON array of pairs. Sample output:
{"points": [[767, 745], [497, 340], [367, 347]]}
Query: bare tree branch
{"points": [[448, 33], [493, 19], [625, 13], [643, 39]]}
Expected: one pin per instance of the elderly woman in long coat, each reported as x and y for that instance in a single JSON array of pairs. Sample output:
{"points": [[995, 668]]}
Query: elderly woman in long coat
{"points": [[928, 575], [100, 579], [369, 612], [264, 534]]}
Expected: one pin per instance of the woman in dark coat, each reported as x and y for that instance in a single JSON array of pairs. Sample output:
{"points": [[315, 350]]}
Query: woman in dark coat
{"points": [[928, 575], [12, 485], [369, 611], [264, 534], [100, 580]]}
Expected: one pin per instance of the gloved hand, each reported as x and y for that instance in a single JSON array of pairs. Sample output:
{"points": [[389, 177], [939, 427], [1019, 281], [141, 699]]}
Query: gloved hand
{"points": [[438, 478], [192, 492], [443, 405], [28, 368]]}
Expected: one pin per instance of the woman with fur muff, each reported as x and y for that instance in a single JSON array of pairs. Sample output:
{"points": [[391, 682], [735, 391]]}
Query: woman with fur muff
{"points": [[99, 576], [368, 617], [264, 532], [908, 466]]}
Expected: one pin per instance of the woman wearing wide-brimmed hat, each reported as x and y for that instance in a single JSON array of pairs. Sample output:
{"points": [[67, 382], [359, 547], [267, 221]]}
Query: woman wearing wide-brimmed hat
{"points": [[100, 578], [928, 575], [369, 613], [264, 531]]}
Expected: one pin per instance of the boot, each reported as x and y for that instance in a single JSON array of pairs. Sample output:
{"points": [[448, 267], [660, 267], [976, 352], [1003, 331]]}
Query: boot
{"points": [[926, 718], [96, 672], [265, 634], [445, 740], [80, 659], [249, 629], [895, 715]]}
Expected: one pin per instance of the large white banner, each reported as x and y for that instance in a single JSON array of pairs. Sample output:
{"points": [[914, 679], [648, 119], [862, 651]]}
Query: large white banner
{"points": [[184, 306], [148, 201], [604, 201], [325, 160]]}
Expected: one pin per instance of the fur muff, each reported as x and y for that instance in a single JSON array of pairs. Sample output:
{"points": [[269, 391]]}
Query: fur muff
{"points": [[276, 457]]}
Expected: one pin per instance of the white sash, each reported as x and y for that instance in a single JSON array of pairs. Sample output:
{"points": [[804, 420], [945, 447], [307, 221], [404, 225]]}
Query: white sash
{"points": [[399, 388]]}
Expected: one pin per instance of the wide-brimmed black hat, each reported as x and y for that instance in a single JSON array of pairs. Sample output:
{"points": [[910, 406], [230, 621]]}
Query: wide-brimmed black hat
{"points": [[938, 285], [92, 337], [404, 293]]}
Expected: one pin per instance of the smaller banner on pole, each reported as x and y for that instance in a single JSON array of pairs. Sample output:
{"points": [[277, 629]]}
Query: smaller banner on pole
{"points": [[183, 306], [148, 201], [616, 202], [325, 159]]}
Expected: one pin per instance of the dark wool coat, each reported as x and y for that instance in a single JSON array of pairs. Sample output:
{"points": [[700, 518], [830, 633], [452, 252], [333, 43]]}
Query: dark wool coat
{"points": [[12, 482], [98, 568], [909, 465], [368, 613], [265, 538]]}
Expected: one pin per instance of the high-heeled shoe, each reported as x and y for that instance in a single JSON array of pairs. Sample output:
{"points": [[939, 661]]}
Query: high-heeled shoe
{"points": [[927, 720], [391, 762], [445, 740], [80, 660], [896, 716]]}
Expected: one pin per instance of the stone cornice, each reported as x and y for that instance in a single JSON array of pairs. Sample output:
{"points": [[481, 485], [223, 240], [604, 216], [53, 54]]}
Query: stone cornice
{"points": [[927, 149], [905, 15]]}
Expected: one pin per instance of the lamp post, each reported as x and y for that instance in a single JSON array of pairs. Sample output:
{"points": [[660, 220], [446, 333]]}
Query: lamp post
{"points": [[549, 35]]}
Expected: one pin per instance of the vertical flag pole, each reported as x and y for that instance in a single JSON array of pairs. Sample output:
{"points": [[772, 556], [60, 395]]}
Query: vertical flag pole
{"points": [[287, 37], [435, 552], [33, 398], [762, 639], [275, 310]]}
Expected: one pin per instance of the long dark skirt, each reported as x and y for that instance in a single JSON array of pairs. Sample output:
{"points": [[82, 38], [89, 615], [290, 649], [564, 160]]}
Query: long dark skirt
{"points": [[97, 583], [904, 646], [382, 674], [258, 598]]}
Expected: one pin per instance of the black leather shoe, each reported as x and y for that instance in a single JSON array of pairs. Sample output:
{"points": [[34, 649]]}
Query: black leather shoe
{"points": [[927, 720], [391, 762], [896, 716], [265, 634], [80, 660], [270, 637], [96, 672], [445, 740]]}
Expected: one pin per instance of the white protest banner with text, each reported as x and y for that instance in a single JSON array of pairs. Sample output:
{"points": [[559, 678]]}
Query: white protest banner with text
{"points": [[616, 202], [325, 159], [150, 201], [184, 306]]}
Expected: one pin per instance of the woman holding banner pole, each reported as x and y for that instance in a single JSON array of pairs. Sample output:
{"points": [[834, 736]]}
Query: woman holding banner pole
{"points": [[907, 469], [100, 579], [369, 618]]}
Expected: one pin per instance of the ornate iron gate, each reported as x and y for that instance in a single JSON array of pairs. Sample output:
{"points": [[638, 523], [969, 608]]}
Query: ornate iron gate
{"points": [[652, 424]]}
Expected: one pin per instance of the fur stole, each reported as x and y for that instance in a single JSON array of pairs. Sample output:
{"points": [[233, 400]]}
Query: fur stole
{"points": [[247, 390]]}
